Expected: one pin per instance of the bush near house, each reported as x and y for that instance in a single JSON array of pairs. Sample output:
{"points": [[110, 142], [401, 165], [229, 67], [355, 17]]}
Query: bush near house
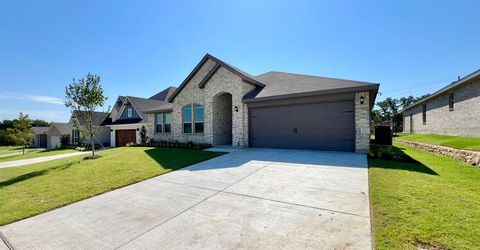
{"points": [[177, 144], [65, 140]]}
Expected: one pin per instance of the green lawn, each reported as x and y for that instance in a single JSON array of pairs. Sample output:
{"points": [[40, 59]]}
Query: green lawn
{"points": [[34, 189], [433, 202], [9, 150], [33, 153], [458, 142]]}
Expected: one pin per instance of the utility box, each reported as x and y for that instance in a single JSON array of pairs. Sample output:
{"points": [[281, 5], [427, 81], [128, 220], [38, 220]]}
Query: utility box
{"points": [[383, 135]]}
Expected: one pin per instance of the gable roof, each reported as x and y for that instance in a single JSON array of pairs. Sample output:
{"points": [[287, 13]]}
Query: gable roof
{"points": [[164, 94], [459, 82], [284, 85], [219, 63], [98, 117], [141, 106], [39, 130], [63, 128]]}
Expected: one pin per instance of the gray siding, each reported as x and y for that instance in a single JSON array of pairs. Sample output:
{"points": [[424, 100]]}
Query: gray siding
{"points": [[463, 120], [124, 115]]}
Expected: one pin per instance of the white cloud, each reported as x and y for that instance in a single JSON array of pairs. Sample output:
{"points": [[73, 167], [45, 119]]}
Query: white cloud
{"points": [[33, 98]]}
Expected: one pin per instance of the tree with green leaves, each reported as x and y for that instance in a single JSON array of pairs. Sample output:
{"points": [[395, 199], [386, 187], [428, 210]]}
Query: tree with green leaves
{"points": [[389, 110], [21, 133], [86, 95]]}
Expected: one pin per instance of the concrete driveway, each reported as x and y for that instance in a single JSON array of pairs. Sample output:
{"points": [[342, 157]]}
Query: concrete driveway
{"points": [[252, 198]]}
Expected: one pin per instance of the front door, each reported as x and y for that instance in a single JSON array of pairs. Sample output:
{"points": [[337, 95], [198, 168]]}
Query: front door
{"points": [[125, 136]]}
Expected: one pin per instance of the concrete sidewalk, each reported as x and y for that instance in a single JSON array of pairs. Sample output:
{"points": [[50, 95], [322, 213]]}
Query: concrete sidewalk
{"points": [[17, 163], [247, 199]]}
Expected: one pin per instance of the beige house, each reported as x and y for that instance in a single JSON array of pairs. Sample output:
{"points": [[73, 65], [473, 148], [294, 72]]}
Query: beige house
{"points": [[55, 133], [452, 110], [220, 104]]}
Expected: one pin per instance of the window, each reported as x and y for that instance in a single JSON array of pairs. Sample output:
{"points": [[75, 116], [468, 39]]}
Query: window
{"points": [[187, 119], [450, 101], [75, 136], [129, 112], [167, 123], [193, 119], [198, 118], [163, 122], [159, 123], [424, 114]]}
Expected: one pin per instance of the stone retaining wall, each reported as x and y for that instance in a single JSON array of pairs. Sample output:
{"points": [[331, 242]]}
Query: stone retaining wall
{"points": [[470, 157]]}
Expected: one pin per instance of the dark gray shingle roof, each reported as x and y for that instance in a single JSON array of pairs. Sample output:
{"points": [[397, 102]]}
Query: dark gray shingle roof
{"points": [[143, 105], [164, 94], [39, 130], [280, 84], [98, 117], [63, 128]]}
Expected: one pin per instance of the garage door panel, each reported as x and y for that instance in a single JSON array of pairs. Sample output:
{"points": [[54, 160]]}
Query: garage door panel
{"points": [[325, 126]]}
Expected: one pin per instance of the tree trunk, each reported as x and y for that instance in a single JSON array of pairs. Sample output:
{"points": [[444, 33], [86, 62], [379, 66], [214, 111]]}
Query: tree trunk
{"points": [[93, 145], [23, 149]]}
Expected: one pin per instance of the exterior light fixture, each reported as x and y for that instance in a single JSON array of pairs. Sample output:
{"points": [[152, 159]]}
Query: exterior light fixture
{"points": [[138, 129], [236, 109], [362, 99]]}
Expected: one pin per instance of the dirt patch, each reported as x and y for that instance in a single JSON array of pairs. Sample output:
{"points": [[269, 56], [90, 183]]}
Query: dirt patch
{"points": [[429, 246], [92, 157]]}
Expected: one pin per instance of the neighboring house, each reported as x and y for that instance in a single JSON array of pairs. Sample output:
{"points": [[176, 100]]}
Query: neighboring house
{"points": [[129, 115], [55, 133], [99, 118], [453, 110], [40, 137], [222, 105]]}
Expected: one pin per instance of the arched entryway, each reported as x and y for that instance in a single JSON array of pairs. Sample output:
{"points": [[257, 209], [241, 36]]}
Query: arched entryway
{"points": [[222, 119]]}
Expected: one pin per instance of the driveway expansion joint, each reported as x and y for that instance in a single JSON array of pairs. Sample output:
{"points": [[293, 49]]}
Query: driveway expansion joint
{"points": [[6, 242], [194, 205]]}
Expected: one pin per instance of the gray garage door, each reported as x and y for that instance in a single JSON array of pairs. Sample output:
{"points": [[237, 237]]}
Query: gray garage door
{"points": [[324, 126]]}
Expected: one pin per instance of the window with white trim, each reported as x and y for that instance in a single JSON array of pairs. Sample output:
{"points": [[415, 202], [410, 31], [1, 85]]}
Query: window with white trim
{"points": [[129, 112], [163, 122]]}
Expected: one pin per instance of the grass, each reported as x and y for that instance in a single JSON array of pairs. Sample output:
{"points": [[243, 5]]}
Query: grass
{"points": [[434, 202], [458, 142], [33, 153], [37, 188], [9, 150]]}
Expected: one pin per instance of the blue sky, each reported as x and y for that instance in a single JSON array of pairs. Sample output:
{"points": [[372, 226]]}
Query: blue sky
{"points": [[141, 47]]}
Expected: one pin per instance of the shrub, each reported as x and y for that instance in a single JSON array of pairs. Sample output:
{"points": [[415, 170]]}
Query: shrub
{"points": [[143, 136], [65, 140], [177, 144]]}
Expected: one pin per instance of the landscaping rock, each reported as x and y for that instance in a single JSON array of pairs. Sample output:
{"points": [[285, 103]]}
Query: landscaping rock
{"points": [[469, 157]]}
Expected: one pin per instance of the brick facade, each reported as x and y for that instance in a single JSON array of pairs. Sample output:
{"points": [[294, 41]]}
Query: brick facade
{"points": [[463, 120]]}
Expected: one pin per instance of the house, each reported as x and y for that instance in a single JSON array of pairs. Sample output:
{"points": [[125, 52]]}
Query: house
{"points": [[220, 104], [40, 137], [55, 133], [77, 120], [129, 115], [452, 110]]}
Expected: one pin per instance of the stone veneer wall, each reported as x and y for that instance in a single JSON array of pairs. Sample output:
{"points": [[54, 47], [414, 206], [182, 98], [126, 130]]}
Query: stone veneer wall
{"points": [[469, 157], [223, 81], [362, 123]]}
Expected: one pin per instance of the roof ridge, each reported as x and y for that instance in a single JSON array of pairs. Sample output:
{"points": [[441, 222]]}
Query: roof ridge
{"points": [[324, 77]]}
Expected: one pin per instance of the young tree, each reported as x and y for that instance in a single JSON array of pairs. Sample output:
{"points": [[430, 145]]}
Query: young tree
{"points": [[86, 96], [21, 133], [143, 136]]}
